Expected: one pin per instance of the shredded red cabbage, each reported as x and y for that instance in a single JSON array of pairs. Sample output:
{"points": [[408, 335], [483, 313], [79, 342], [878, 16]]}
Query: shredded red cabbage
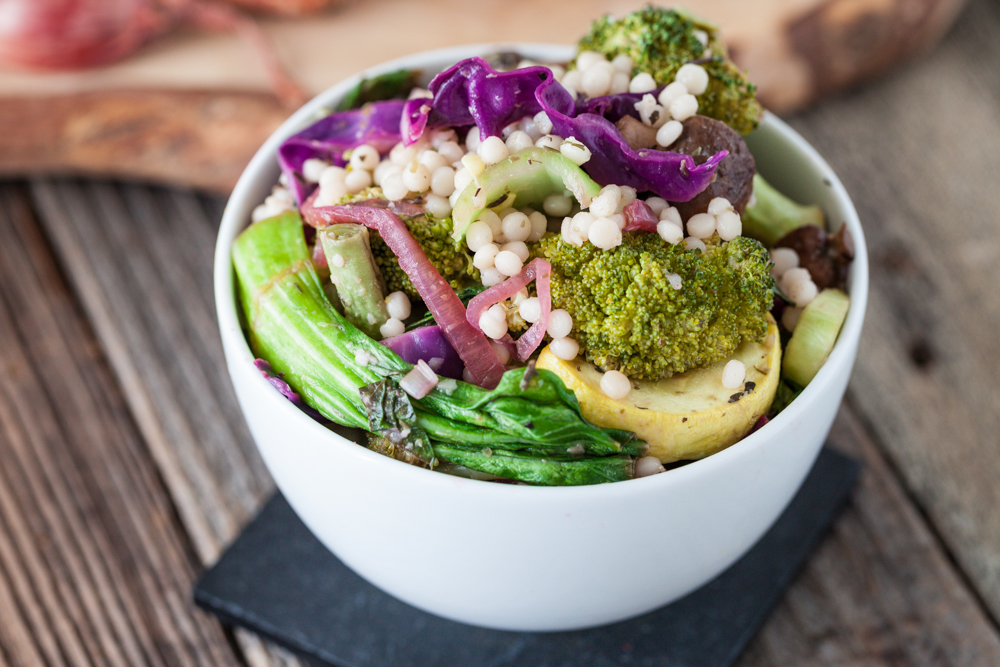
{"points": [[473, 93], [429, 344], [376, 123]]}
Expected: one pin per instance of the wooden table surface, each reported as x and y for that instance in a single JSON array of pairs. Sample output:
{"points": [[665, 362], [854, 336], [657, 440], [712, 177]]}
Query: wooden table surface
{"points": [[125, 466]]}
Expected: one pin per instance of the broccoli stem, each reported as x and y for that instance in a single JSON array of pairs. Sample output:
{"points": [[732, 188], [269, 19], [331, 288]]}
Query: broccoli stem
{"points": [[773, 214], [315, 349], [356, 276]]}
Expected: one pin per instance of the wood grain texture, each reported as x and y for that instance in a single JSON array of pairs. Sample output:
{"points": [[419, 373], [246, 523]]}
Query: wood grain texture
{"points": [[919, 153], [880, 589], [200, 139], [95, 569]]}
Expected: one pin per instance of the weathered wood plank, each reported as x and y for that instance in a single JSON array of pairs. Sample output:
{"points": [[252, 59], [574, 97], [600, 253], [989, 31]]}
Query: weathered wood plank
{"points": [[880, 589], [919, 153], [95, 569], [140, 261]]}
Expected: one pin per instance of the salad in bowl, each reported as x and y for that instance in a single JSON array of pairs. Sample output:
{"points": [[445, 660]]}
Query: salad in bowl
{"points": [[530, 266]]}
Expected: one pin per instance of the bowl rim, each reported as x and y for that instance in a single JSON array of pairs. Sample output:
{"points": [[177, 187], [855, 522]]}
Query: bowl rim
{"points": [[232, 333]]}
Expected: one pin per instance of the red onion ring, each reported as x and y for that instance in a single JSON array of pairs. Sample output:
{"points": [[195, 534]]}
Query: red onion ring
{"points": [[538, 270]]}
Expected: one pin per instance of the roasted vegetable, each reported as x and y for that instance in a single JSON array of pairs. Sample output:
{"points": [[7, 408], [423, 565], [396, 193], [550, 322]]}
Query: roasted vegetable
{"points": [[629, 316], [660, 40]]}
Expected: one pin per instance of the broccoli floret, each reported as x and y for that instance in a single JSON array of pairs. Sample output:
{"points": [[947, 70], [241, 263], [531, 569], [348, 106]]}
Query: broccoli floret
{"points": [[434, 237], [627, 315], [660, 40]]}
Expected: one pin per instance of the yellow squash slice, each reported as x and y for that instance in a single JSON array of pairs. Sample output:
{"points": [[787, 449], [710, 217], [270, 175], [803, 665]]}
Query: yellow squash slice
{"points": [[686, 416]]}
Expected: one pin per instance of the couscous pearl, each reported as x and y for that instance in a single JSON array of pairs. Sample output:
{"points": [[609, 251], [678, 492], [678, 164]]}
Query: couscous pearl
{"points": [[527, 125], [701, 225], [790, 317], [669, 132], [508, 130], [656, 205], [392, 327], [783, 259], [519, 248], [729, 225], [451, 152], [440, 137], [619, 83], [650, 112], [312, 168], [493, 221], [498, 311], [491, 277], [582, 221], [474, 164], [503, 354], [491, 326], [641, 83], [519, 296], [615, 384], [393, 187], [462, 179], [684, 107], [478, 235], [472, 139], [565, 348], [416, 177], [557, 70], [604, 234], [623, 63], [719, 205], [671, 214], [572, 80], [530, 309], [332, 175], [570, 234], [364, 157], [691, 243], [802, 293], [262, 212], [701, 36], [402, 155], [492, 150], [587, 59], [595, 82], [733, 374], [675, 280], [557, 205], [553, 141], [606, 202], [542, 122], [694, 77], [384, 168], [485, 256], [508, 263], [357, 180], [648, 465], [575, 151], [443, 181], [519, 140], [419, 93], [432, 160], [628, 196], [398, 305], [669, 232], [794, 276], [671, 92], [437, 206], [560, 323], [331, 193], [539, 225], [618, 219]]}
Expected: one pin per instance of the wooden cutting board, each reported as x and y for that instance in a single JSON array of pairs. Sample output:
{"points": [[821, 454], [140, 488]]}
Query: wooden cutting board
{"points": [[191, 108]]}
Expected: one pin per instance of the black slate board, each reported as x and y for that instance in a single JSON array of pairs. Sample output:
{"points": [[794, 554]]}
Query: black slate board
{"points": [[279, 581]]}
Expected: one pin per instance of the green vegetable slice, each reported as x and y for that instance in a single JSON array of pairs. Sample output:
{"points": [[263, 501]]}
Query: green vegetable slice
{"points": [[773, 215], [814, 336], [529, 176]]}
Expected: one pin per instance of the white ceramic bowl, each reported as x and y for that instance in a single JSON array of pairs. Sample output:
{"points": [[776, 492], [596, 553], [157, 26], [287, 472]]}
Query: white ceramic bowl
{"points": [[530, 558]]}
